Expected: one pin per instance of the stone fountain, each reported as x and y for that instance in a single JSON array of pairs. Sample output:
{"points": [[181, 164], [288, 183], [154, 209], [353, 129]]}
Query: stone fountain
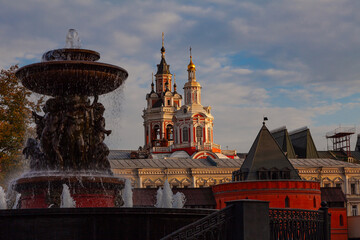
{"points": [[69, 147], [68, 153]]}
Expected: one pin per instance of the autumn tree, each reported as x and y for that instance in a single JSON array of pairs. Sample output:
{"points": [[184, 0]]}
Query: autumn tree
{"points": [[15, 119]]}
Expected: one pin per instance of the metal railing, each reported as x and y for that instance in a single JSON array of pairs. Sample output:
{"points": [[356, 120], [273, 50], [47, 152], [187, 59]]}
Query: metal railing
{"points": [[298, 224], [284, 224], [214, 226]]}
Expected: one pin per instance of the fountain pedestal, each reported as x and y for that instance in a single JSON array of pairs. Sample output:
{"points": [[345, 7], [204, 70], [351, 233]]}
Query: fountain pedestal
{"points": [[87, 191], [69, 147]]}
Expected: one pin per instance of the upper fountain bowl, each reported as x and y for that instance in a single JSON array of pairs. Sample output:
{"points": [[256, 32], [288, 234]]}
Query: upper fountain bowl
{"points": [[76, 54], [71, 71]]}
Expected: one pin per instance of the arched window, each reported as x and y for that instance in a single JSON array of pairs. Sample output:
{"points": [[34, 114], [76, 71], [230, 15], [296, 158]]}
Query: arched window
{"points": [[169, 132], [199, 134], [287, 202], [156, 132], [341, 220], [185, 134], [209, 135], [314, 201]]}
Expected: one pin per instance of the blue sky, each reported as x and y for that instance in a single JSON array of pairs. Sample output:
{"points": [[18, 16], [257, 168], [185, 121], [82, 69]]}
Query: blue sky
{"points": [[297, 62]]}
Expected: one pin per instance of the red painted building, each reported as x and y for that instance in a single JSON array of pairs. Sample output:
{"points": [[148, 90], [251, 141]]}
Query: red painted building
{"points": [[268, 175]]}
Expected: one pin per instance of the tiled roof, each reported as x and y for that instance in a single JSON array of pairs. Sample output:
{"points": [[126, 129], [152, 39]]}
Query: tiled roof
{"points": [[331, 194], [220, 163], [175, 163], [321, 162], [195, 197]]}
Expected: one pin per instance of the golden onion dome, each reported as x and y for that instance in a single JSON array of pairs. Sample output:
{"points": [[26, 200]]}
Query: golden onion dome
{"points": [[191, 64]]}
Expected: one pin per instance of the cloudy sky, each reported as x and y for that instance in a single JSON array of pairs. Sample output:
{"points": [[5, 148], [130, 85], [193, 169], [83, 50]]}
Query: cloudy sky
{"points": [[296, 62]]}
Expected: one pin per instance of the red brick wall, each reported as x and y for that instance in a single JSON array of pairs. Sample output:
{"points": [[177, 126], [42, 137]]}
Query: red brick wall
{"points": [[301, 194], [338, 231]]}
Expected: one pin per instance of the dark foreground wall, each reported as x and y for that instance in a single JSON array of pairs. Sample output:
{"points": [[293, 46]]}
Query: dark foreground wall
{"points": [[94, 223]]}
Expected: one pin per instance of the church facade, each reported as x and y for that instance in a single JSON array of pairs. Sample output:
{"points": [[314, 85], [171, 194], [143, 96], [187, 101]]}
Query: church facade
{"points": [[171, 127]]}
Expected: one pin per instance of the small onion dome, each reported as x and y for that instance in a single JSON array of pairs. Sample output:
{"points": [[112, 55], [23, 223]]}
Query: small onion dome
{"points": [[191, 65]]}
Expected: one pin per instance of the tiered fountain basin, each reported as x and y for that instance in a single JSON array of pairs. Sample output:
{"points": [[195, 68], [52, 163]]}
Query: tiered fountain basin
{"points": [[73, 73], [70, 134], [88, 190]]}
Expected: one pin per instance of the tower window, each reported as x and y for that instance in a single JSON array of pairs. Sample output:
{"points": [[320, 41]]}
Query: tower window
{"points": [[156, 132], [199, 134], [198, 131], [169, 132], [314, 201], [287, 202], [341, 220], [185, 134], [169, 103]]}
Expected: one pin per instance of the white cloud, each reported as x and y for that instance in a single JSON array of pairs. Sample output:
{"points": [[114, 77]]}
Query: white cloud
{"points": [[310, 47]]}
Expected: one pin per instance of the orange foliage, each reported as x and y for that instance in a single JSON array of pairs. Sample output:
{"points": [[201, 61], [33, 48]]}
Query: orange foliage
{"points": [[15, 117]]}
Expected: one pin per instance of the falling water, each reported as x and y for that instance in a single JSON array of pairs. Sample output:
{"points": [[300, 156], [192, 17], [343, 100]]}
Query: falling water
{"points": [[128, 194], [159, 194], [167, 196], [17, 201], [66, 200], [179, 200], [3, 204]]}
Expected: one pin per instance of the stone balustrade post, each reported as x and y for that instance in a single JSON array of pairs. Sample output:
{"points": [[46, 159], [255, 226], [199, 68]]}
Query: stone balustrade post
{"points": [[250, 220]]}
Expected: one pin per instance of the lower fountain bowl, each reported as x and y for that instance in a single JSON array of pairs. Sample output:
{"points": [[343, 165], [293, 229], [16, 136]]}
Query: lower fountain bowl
{"points": [[87, 190]]}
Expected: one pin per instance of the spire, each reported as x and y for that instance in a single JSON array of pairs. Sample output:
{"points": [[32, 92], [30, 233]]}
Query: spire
{"points": [[174, 83], [152, 82], [162, 48], [191, 65], [163, 67]]}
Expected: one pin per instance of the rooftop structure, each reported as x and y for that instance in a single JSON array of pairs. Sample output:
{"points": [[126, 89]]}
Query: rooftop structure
{"points": [[340, 139]]}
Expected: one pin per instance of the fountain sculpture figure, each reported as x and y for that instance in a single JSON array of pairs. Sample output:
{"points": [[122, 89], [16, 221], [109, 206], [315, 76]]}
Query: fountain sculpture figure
{"points": [[69, 145]]}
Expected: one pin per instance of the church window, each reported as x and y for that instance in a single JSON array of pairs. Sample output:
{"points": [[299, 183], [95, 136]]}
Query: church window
{"points": [[175, 138], [209, 135], [157, 132], [199, 133], [287, 202], [169, 132], [169, 102], [185, 134]]}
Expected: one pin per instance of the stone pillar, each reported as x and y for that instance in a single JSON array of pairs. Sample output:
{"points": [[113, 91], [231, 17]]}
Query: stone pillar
{"points": [[327, 221], [251, 220]]}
